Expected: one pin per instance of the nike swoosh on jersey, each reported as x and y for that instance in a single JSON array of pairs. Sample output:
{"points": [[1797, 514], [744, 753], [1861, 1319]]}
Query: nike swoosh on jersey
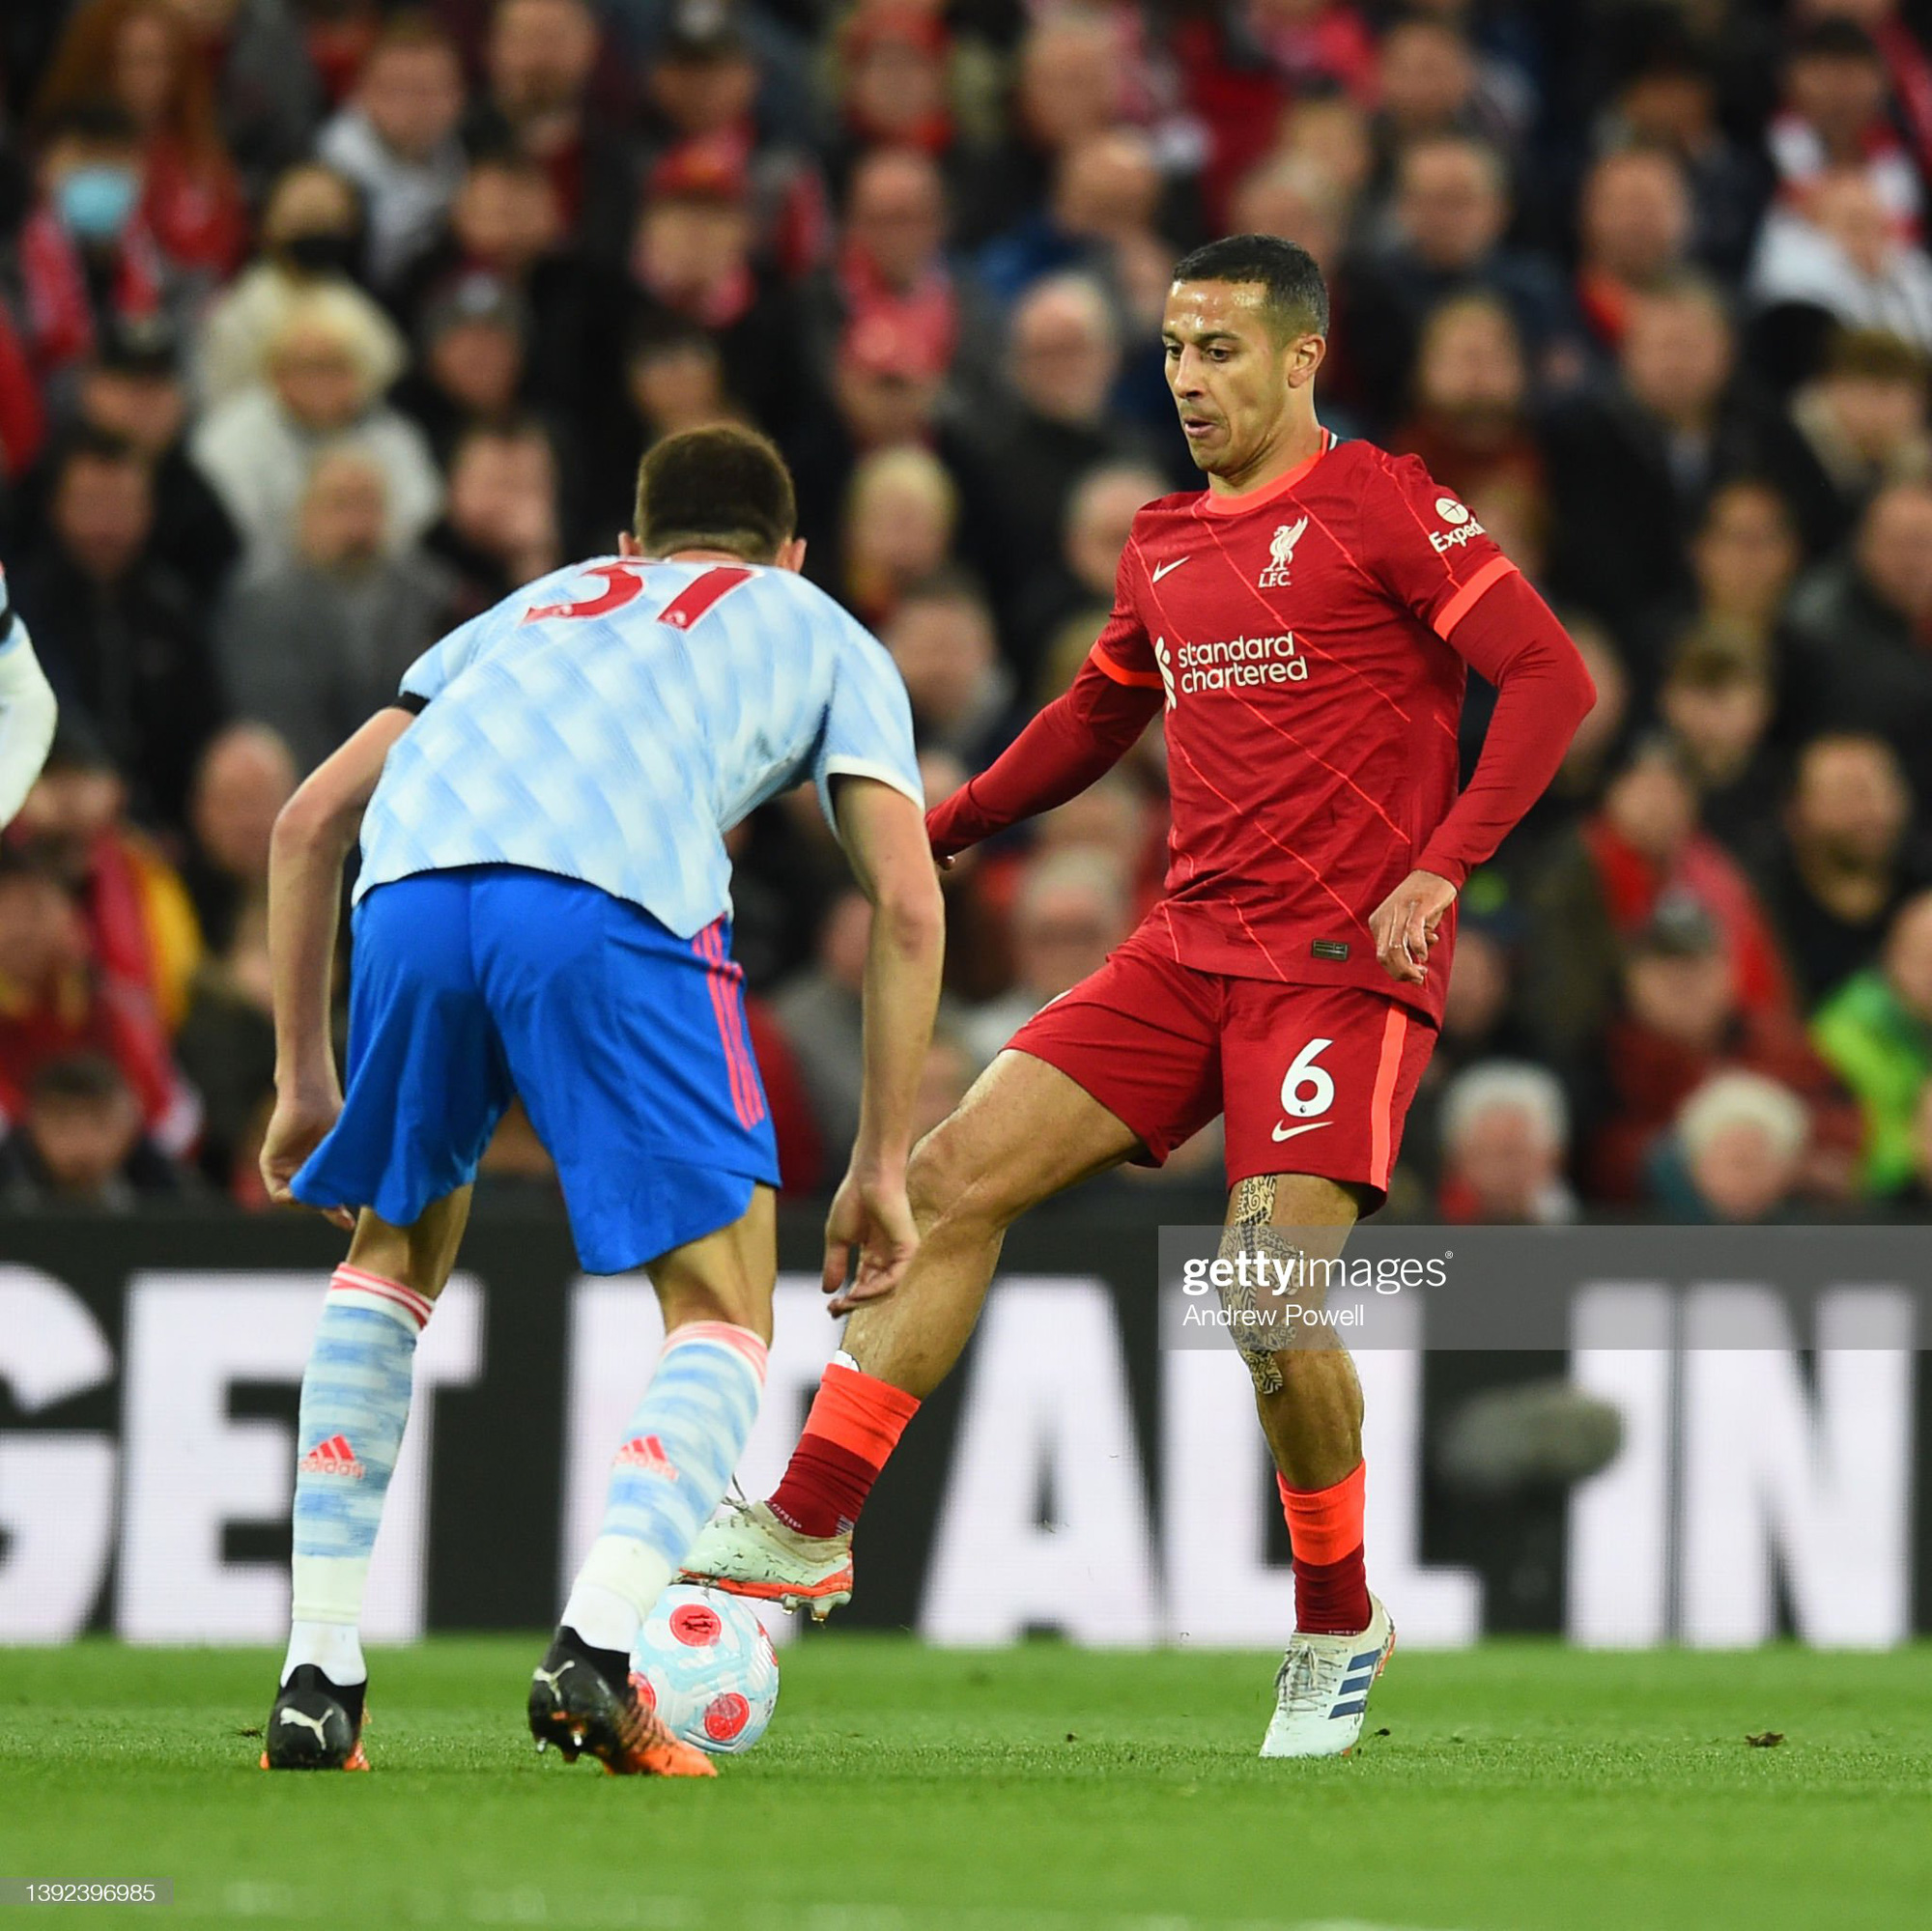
{"points": [[1162, 570], [1289, 1132]]}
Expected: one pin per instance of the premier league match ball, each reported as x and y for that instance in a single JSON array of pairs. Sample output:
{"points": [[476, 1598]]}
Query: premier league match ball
{"points": [[708, 1668]]}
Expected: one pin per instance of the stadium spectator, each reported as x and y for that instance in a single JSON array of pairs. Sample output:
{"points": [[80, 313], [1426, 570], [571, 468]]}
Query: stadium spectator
{"points": [[1681, 1021], [1717, 702], [267, 92], [500, 526], [1450, 213], [55, 1003], [539, 62], [139, 56], [1642, 457], [474, 364], [1856, 659], [1634, 227], [1069, 83], [900, 514], [702, 86], [692, 254], [1837, 257], [1069, 912], [1426, 84], [79, 1143], [1065, 605], [1862, 424], [396, 140], [134, 390], [1876, 1034], [315, 643], [1847, 859], [120, 636], [676, 380], [507, 221], [891, 263], [84, 256], [322, 385], [1914, 1200], [245, 776], [1098, 218], [1745, 556], [943, 1081], [1669, 102], [1471, 423], [1835, 115], [1599, 886], [310, 241], [894, 86], [817, 1011], [942, 638], [885, 390], [136, 917], [1737, 1153], [1297, 198], [1505, 1129], [1062, 357]]}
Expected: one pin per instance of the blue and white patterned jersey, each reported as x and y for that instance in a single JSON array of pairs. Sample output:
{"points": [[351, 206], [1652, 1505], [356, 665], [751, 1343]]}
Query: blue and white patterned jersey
{"points": [[613, 721]]}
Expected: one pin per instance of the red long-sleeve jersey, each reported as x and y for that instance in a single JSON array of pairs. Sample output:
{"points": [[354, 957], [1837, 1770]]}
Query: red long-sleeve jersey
{"points": [[1307, 643]]}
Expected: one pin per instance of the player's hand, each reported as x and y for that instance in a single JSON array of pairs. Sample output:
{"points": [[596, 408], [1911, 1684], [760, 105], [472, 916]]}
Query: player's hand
{"points": [[871, 1213], [295, 1132], [1404, 925]]}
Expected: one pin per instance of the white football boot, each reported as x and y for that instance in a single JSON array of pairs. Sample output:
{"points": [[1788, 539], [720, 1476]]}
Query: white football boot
{"points": [[746, 1550], [1322, 1690]]}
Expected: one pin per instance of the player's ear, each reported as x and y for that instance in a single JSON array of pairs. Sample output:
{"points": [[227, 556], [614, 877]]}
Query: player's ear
{"points": [[1304, 356], [791, 555], [628, 545]]}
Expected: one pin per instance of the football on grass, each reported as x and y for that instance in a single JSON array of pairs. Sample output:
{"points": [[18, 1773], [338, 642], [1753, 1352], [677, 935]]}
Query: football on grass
{"points": [[705, 1662]]}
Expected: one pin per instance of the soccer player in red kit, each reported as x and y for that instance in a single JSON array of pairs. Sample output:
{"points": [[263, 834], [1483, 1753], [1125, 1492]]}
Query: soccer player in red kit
{"points": [[1303, 627]]}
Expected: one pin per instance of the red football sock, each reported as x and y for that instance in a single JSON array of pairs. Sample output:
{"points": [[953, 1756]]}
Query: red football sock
{"points": [[1324, 1530], [855, 1424]]}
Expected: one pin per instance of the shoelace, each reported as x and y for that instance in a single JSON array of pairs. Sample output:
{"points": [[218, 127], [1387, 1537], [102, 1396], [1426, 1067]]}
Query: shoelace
{"points": [[1299, 1681]]}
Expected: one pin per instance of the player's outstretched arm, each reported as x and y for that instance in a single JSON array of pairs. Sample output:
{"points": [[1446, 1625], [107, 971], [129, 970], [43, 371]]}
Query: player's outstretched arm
{"points": [[27, 711], [885, 839], [312, 838], [1077, 738]]}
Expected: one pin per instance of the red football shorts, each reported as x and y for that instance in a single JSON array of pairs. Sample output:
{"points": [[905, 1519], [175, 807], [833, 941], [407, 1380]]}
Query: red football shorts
{"points": [[1314, 1079]]}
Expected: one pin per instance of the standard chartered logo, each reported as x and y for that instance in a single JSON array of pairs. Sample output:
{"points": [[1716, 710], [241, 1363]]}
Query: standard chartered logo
{"points": [[1235, 664]]}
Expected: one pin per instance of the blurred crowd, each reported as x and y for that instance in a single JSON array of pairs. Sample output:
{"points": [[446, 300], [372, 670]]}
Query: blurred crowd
{"points": [[324, 323]]}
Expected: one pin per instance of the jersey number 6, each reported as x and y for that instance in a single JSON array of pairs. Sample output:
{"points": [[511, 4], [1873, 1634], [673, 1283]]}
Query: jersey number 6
{"points": [[1307, 1089]]}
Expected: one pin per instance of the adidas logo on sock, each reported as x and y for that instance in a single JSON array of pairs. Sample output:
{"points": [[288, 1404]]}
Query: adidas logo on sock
{"points": [[647, 1452], [333, 1457]]}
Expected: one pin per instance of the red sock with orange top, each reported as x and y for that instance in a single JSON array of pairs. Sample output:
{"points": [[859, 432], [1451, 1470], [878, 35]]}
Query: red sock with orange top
{"points": [[1324, 1530], [855, 1424]]}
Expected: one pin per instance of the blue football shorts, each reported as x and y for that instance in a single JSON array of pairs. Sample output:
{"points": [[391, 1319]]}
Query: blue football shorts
{"points": [[626, 1044]]}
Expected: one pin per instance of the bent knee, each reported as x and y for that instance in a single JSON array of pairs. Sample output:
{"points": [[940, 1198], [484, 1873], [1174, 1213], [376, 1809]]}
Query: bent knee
{"points": [[951, 1189]]}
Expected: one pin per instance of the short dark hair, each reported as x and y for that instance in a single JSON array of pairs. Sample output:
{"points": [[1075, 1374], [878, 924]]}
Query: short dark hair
{"points": [[722, 487], [1296, 295], [87, 1078]]}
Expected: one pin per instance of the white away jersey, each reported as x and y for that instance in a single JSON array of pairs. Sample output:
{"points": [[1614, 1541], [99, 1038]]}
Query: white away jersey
{"points": [[613, 721]]}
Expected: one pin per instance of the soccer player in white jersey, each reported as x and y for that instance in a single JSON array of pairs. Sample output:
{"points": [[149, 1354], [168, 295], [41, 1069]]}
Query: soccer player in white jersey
{"points": [[27, 711], [543, 909]]}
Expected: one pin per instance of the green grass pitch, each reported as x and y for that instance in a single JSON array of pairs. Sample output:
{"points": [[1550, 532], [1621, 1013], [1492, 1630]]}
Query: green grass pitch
{"points": [[1517, 1787]]}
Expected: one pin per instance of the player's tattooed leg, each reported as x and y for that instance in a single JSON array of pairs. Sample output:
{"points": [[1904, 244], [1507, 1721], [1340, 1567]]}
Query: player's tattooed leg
{"points": [[1250, 1231]]}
